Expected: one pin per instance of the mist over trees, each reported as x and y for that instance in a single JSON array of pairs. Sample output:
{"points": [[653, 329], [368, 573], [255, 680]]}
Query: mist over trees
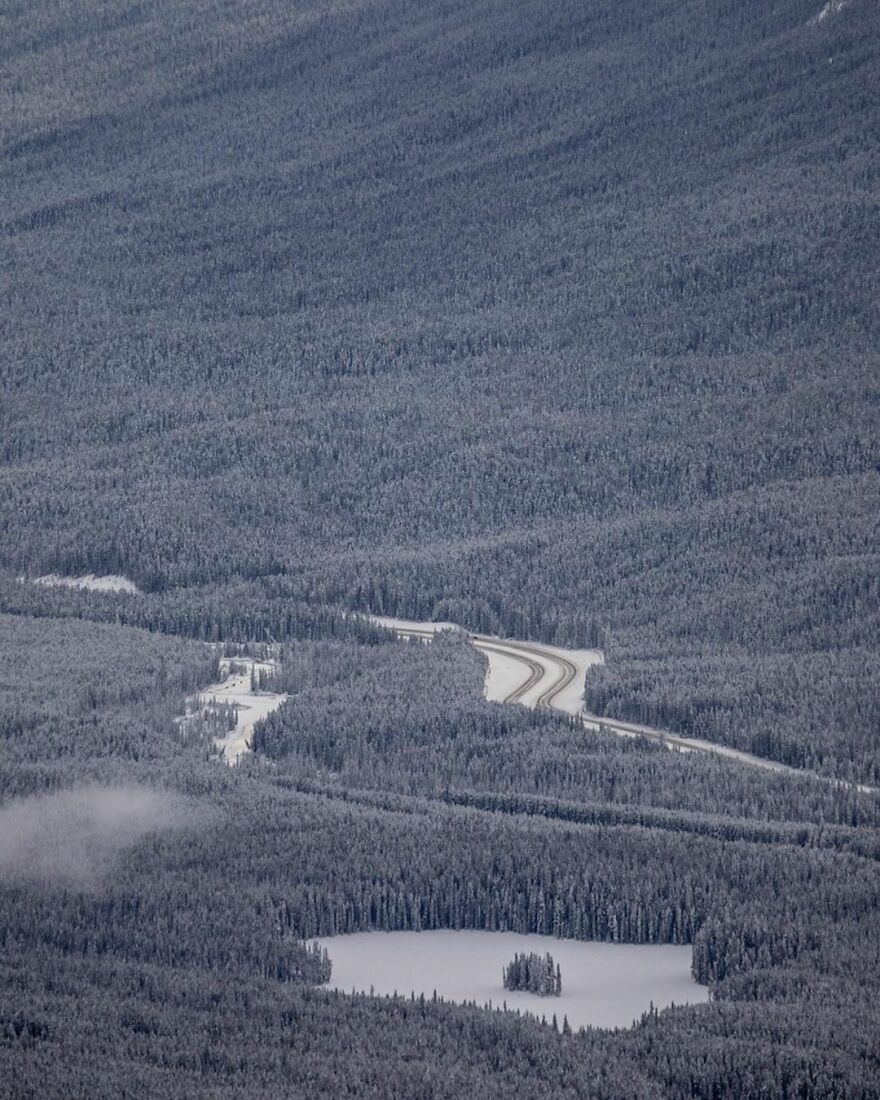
{"points": [[74, 836]]}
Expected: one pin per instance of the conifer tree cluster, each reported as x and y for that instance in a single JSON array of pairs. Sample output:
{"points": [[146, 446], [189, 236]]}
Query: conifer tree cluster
{"points": [[533, 973]]}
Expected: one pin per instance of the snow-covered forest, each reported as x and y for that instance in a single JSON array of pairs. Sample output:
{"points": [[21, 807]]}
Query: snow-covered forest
{"points": [[557, 321], [415, 805]]}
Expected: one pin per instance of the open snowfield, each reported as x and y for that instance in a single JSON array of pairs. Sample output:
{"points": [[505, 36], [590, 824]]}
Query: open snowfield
{"points": [[569, 697], [506, 674], [407, 625], [603, 984], [109, 583]]}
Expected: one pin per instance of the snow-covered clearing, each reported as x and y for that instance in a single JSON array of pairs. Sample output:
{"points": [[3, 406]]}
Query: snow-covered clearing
{"points": [[506, 674], [603, 984], [110, 582], [250, 706], [555, 663], [405, 626]]}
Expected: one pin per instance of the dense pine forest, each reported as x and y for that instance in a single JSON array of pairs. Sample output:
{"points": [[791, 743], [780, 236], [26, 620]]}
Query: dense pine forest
{"points": [[557, 320], [535, 974], [174, 899], [554, 320]]}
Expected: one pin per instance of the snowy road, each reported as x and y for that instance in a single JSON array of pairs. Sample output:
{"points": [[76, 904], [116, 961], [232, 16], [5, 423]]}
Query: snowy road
{"points": [[520, 672], [540, 675], [250, 706]]}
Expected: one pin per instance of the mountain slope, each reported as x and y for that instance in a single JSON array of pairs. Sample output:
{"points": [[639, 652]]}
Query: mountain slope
{"points": [[556, 318]]}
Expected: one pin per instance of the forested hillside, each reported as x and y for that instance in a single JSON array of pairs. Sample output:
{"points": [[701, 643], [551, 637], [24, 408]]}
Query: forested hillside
{"points": [[555, 319], [169, 958]]}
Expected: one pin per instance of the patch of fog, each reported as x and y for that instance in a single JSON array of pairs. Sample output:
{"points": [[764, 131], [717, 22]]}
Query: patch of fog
{"points": [[110, 582], [237, 690], [603, 984], [73, 837]]}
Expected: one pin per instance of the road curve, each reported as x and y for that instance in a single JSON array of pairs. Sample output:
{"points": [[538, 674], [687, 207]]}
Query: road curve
{"points": [[534, 672], [547, 668]]}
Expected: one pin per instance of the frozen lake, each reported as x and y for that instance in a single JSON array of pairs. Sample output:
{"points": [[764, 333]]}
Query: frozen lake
{"points": [[603, 984]]}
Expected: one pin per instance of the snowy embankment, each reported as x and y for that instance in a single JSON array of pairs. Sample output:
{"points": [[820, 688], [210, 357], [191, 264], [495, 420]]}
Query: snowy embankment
{"points": [[603, 984]]}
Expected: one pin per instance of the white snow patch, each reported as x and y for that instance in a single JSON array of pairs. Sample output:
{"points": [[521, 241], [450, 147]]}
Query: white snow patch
{"points": [[552, 660], [831, 8], [603, 984], [404, 626], [110, 582], [571, 699], [506, 675]]}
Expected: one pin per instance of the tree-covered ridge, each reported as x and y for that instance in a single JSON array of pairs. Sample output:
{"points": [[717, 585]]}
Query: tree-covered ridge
{"points": [[80, 700], [819, 710], [411, 717], [260, 610]]}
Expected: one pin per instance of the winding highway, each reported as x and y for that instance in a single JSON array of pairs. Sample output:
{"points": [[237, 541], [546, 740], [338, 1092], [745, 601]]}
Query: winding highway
{"points": [[540, 666], [552, 679]]}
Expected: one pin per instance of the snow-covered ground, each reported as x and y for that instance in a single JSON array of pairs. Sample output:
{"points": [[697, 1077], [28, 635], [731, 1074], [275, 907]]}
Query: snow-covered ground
{"points": [[571, 698], [405, 625], [552, 661], [110, 582], [603, 984], [250, 706], [506, 674]]}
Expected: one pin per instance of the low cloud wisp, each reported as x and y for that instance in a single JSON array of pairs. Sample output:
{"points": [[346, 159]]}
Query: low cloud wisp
{"points": [[73, 837]]}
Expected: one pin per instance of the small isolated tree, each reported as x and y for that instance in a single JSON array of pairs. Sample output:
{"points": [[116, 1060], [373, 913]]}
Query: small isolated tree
{"points": [[533, 973]]}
